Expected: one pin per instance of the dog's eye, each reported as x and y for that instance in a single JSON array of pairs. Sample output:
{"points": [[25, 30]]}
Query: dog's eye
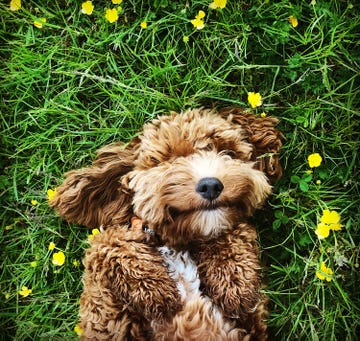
{"points": [[174, 212], [209, 146], [154, 160], [230, 153], [203, 145]]}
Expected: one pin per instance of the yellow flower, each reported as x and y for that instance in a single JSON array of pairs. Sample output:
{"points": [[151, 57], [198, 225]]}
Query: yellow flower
{"points": [[58, 258], [78, 330], [322, 231], [324, 273], [116, 2], [314, 160], [76, 263], [15, 5], [51, 246], [318, 182], [51, 194], [143, 25], [263, 114], [294, 22], [218, 4], [111, 15], [34, 202], [254, 99], [94, 232], [330, 217], [198, 22], [25, 291], [336, 227], [87, 7], [185, 39], [330, 220], [39, 24], [33, 264]]}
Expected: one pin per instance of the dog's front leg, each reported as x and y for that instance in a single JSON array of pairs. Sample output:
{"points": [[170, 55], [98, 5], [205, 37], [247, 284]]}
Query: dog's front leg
{"points": [[125, 279], [229, 271]]}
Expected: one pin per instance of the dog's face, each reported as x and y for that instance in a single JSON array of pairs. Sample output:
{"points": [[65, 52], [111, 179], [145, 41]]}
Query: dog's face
{"points": [[189, 176], [193, 177]]}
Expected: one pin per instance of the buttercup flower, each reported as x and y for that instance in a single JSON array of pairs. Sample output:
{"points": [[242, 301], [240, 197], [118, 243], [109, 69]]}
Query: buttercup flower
{"points": [[254, 99], [330, 217], [51, 246], [263, 114], [39, 24], [94, 232], [314, 160], [218, 4], [198, 22], [25, 291], [87, 7], [34, 202], [322, 231], [111, 15], [294, 22], [78, 330], [15, 5], [51, 194], [324, 273], [116, 2], [58, 258], [143, 25], [330, 220]]}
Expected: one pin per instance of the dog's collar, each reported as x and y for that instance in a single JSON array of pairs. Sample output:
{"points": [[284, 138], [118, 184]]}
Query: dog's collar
{"points": [[137, 223]]}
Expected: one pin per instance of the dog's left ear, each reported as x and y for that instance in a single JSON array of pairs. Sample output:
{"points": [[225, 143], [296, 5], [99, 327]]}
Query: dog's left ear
{"points": [[94, 196], [263, 135]]}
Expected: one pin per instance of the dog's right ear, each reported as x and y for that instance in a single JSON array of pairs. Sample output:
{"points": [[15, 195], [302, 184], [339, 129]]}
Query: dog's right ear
{"points": [[93, 196]]}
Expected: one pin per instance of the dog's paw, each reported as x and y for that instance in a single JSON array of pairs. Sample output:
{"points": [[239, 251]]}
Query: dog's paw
{"points": [[235, 302], [156, 301], [143, 283], [229, 271], [124, 262]]}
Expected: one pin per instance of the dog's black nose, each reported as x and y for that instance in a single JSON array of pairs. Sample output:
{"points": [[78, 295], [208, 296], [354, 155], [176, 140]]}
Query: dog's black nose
{"points": [[209, 188]]}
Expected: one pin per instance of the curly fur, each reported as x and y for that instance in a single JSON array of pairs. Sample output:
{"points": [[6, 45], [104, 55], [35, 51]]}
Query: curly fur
{"points": [[194, 273]]}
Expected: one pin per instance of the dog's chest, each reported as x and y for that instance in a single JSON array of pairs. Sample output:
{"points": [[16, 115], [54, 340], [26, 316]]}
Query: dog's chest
{"points": [[183, 271]]}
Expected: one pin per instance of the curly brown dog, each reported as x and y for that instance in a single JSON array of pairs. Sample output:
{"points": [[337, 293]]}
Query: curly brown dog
{"points": [[187, 267]]}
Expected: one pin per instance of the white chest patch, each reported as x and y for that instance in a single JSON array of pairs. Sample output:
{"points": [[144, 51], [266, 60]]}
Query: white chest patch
{"points": [[183, 271], [198, 313]]}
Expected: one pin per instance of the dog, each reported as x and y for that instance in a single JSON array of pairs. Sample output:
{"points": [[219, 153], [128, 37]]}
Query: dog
{"points": [[176, 258]]}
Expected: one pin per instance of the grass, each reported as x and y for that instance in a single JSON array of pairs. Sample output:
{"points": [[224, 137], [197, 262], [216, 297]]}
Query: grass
{"points": [[80, 82]]}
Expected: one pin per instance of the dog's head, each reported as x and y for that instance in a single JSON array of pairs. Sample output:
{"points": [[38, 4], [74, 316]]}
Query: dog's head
{"points": [[188, 176]]}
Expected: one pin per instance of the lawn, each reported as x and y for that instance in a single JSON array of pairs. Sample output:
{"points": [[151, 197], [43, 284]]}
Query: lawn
{"points": [[72, 82]]}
